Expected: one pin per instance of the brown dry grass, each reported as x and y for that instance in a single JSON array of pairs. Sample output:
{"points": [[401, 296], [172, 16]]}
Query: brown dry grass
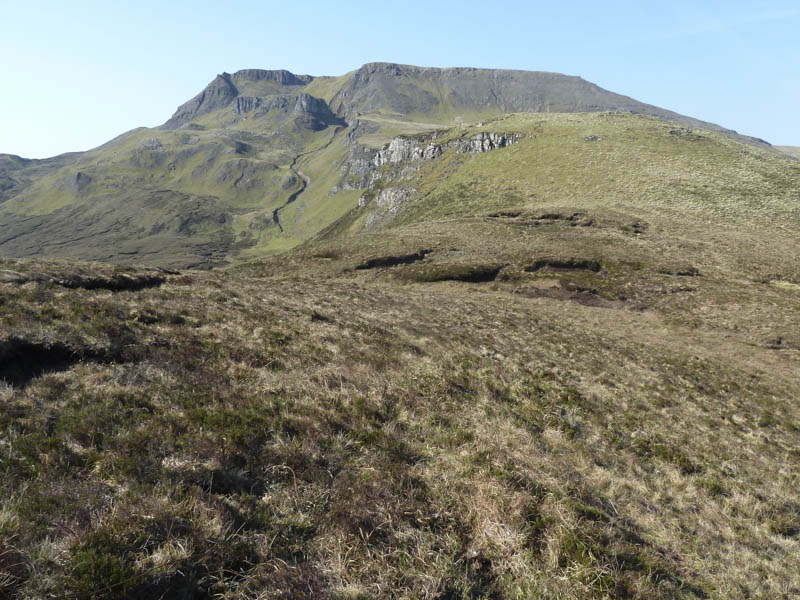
{"points": [[253, 435]]}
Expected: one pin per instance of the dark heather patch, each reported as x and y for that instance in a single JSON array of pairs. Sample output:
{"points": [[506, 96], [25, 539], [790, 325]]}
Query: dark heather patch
{"points": [[575, 264], [391, 261]]}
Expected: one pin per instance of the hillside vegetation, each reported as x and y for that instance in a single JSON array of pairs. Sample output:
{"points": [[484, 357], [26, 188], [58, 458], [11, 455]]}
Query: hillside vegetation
{"points": [[565, 368], [211, 185]]}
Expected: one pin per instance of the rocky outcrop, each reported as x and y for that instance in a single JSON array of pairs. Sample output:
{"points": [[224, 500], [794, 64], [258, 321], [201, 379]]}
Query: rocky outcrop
{"points": [[392, 199], [309, 112], [280, 76], [151, 144], [218, 94], [314, 113], [261, 105], [404, 155], [246, 104], [388, 203], [364, 167], [484, 142], [306, 103], [223, 91], [403, 149], [76, 184], [358, 170]]}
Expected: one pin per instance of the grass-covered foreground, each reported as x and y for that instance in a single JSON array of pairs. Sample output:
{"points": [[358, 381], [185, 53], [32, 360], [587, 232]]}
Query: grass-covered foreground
{"points": [[306, 429]]}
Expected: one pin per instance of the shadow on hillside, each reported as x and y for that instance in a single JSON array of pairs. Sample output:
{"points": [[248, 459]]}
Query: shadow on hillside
{"points": [[21, 360]]}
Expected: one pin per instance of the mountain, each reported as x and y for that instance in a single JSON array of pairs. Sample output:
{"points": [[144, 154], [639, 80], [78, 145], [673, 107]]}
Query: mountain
{"points": [[508, 355], [210, 185]]}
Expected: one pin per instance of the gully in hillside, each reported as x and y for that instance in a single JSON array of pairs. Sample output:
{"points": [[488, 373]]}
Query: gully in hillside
{"points": [[304, 179]]}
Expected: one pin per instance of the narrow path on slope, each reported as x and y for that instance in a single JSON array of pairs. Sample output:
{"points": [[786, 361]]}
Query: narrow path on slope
{"points": [[304, 179]]}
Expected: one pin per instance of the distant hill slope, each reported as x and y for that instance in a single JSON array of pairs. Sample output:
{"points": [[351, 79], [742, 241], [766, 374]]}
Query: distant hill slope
{"points": [[790, 150], [254, 163], [452, 92], [632, 190]]}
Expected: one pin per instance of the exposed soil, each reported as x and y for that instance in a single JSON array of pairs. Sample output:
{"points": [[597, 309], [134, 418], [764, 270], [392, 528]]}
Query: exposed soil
{"points": [[586, 298], [114, 283], [22, 360], [636, 228], [569, 264], [575, 219], [505, 214], [452, 272], [392, 261], [782, 343], [684, 271]]}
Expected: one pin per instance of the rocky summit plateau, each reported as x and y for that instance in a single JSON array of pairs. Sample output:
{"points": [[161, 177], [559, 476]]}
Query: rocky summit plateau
{"points": [[402, 333]]}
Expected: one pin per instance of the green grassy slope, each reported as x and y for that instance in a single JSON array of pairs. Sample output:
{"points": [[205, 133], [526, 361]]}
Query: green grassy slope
{"points": [[235, 175], [225, 160], [687, 193]]}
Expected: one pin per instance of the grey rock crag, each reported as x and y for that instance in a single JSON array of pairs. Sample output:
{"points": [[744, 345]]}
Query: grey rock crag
{"points": [[363, 166], [404, 149], [223, 91]]}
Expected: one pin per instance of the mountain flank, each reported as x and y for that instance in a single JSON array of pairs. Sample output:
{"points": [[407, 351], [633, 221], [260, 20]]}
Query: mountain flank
{"points": [[203, 189]]}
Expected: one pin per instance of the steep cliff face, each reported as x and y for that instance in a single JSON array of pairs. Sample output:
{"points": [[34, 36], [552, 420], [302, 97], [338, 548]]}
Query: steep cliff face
{"points": [[218, 94], [224, 90], [280, 76], [306, 103], [298, 104], [363, 166], [405, 149], [246, 104], [314, 113], [394, 164]]}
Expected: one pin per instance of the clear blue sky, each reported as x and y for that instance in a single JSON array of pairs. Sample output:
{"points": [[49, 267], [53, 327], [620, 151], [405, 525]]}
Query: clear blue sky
{"points": [[77, 73]]}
